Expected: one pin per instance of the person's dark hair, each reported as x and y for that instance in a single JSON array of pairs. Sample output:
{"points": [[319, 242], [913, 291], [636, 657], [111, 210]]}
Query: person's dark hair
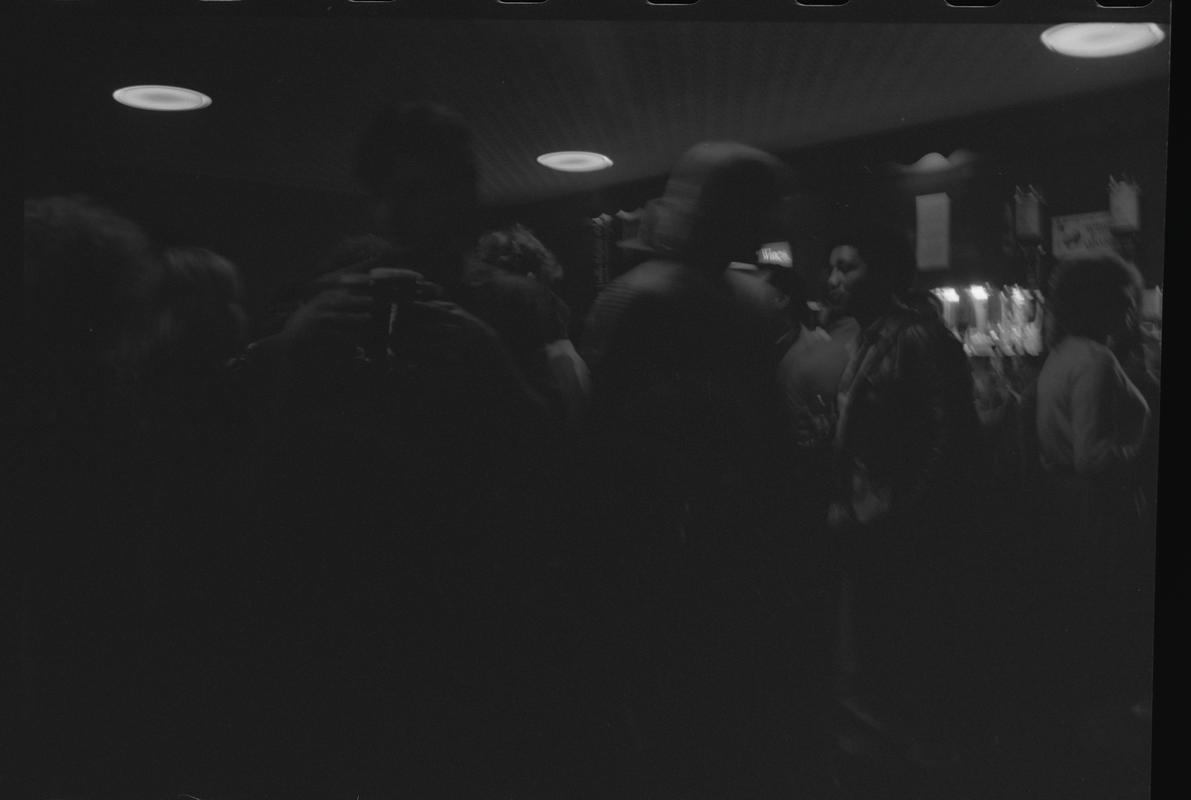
{"points": [[516, 250], [885, 250], [423, 131], [88, 272], [1086, 295], [195, 272], [202, 319]]}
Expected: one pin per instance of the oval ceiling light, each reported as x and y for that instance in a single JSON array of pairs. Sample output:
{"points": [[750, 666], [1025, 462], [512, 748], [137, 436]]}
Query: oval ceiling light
{"points": [[1101, 39], [161, 98], [575, 161]]}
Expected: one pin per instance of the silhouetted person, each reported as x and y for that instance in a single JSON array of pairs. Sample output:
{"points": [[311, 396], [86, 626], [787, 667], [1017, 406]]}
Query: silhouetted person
{"points": [[81, 493], [684, 410], [540, 318], [201, 427], [402, 540], [905, 443]]}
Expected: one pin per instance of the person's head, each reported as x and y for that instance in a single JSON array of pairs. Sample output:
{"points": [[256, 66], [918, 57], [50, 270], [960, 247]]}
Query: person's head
{"points": [[417, 162], [722, 202], [88, 275], [1095, 297], [516, 250], [201, 301], [869, 266]]}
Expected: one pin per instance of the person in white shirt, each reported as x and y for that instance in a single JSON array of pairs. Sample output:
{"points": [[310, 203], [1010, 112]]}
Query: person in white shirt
{"points": [[1091, 418], [1092, 423]]}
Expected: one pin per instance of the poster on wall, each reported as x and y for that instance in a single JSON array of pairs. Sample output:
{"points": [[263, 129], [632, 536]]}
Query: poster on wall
{"points": [[933, 232], [1078, 235]]}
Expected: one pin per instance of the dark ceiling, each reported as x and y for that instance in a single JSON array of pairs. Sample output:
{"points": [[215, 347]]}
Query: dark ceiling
{"points": [[291, 95]]}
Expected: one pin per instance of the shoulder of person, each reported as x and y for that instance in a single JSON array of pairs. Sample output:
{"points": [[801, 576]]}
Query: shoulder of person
{"points": [[642, 288], [656, 276], [817, 336], [1087, 353]]}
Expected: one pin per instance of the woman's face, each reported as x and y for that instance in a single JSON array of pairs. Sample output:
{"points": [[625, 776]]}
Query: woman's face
{"points": [[849, 281]]}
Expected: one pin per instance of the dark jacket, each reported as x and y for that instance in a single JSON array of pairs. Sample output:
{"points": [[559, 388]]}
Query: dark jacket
{"points": [[908, 429]]}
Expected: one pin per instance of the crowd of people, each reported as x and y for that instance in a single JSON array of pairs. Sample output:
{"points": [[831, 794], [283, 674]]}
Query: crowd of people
{"points": [[407, 538]]}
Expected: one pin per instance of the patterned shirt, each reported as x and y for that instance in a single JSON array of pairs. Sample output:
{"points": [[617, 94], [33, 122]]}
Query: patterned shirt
{"points": [[907, 428]]}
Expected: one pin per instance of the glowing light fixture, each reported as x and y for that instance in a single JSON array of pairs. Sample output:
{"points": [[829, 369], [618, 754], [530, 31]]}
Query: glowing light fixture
{"points": [[932, 162], [161, 98], [1101, 39], [949, 295], [978, 293], [575, 161]]}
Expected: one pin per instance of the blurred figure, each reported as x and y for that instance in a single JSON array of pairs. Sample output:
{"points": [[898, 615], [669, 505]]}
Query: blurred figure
{"points": [[81, 490], [760, 291], [808, 365], [686, 491], [196, 415], [88, 274], [202, 297], [809, 371], [517, 251], [416, 161], [405, 535], [905, 443], [1092, 423]]}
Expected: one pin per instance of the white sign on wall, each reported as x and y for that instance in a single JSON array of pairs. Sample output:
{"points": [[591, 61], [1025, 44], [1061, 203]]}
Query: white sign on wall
{"points": [[934, 231], [1076, 235]]}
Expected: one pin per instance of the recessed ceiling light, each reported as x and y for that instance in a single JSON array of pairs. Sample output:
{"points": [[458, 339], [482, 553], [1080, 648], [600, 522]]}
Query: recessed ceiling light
{"points": [[1101, 39], [161, 98], [575, 161]]}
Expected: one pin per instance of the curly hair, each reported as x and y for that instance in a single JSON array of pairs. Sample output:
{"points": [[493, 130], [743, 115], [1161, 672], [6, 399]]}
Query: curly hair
{"points": [[200, 314], [87, 270], [885, 250], [1088, 296], [516, 250]]}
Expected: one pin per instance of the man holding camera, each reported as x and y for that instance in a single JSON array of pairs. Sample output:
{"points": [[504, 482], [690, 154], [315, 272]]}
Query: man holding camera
{"points": [[397, 485]]}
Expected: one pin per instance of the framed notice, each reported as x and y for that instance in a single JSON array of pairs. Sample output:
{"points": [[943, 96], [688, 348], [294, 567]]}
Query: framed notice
{"points": [[933, 237], [1077, 235]]}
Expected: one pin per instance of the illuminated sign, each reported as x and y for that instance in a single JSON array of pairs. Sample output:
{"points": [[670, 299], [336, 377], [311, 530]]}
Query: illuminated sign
{"points": [[775, 254]]}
